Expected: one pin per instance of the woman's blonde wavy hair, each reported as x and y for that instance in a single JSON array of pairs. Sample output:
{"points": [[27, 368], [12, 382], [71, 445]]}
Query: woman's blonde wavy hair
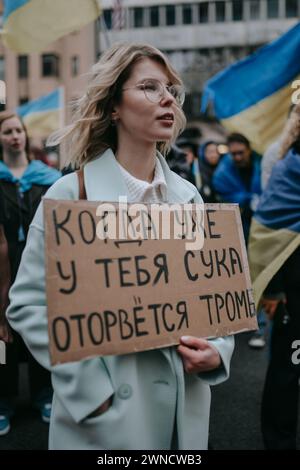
{"points": [[91, 131]]}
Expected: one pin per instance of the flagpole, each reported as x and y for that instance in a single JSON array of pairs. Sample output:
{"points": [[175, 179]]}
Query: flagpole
{"points": [[62, 117], [62, 122]]}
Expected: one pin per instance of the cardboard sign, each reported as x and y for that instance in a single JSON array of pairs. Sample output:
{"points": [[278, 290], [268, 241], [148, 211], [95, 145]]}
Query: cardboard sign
{"points": [[110, 296]]}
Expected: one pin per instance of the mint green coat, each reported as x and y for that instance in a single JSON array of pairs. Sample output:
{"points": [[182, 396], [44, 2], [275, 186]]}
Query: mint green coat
{"points": [[151, 392]]}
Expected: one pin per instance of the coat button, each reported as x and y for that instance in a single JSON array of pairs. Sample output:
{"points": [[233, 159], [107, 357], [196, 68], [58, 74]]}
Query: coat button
{"points": [[125, 391]]}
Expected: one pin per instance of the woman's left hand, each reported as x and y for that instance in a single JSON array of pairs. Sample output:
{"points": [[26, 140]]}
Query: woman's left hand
{"points": [[198, 355]]}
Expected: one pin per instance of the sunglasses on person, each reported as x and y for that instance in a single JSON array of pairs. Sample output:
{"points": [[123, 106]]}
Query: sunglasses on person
{"points": [[155, 91]]}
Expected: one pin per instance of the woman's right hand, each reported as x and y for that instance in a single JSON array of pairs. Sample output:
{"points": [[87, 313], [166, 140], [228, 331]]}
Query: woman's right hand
{"points": [[5, 331]]}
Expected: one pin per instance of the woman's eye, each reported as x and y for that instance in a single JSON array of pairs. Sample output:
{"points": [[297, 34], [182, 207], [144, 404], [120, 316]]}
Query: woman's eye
{"points": [[150, 86]]}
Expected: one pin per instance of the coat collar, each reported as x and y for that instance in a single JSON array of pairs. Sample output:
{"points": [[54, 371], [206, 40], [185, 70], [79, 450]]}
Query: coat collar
{"points": [[104, 180]]}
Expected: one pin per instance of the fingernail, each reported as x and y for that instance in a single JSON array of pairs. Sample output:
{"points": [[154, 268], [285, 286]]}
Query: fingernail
{"points": [[185, 339]]}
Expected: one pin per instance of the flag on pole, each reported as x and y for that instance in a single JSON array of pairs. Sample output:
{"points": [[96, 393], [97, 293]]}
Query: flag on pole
{"points": [[43, 115], [30, 25], [118, 15], [253, 95], [275, 228]]}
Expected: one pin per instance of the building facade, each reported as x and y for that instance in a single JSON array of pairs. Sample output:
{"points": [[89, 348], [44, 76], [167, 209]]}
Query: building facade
{"points": [[200, 37], [62, 63]]}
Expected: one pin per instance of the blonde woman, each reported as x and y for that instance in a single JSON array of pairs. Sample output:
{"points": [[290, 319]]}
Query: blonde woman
{"points": [[123, 125]]}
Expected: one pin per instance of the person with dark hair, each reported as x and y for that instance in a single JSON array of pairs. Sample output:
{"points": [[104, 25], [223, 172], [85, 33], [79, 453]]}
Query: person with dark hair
{"points": [[237, 178], [177, 161], [129, 115], [22, 184], [189, 168], [209, 159]]}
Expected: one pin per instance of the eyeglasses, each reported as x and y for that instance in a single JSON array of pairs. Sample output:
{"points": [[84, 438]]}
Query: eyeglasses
{"points": [[155, 91]]}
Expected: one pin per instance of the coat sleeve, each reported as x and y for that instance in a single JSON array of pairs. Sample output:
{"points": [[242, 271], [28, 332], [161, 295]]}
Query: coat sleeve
{"points": [[225, 347], [228, 186], [80, 386]]}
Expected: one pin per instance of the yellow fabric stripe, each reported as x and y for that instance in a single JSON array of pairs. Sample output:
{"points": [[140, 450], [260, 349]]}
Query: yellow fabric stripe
{"points": [[43, 123], [263, 122], [37, 23], [268, 250]]}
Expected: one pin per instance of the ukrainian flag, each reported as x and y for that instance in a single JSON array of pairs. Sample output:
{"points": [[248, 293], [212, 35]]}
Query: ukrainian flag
{"points": [[30, 25], [43, 115], [253, 95], [275, 229]]}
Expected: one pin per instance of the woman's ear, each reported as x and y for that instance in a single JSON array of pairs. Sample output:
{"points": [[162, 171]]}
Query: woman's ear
{"points": [[114, 115]]}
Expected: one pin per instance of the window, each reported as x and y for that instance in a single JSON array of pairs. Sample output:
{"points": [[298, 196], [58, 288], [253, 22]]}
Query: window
{"points": [[170, 15], [187, 17], [23, 66], [154, 16], [107, 15], [203, 12], [237, 10], [74, 65], [254, 9], [273, 8], [220, 11], [291, 8], [138, 17], [50, 65], [23, 100]]}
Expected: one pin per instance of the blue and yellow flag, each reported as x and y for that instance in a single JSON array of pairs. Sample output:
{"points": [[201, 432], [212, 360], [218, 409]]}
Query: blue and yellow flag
{"points": [[43, 115], [253, 95], [275, 230], [30, 25]]}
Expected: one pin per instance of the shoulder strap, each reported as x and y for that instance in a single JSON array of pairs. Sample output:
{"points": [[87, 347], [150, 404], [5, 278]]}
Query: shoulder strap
{"points": [[82, 191]]}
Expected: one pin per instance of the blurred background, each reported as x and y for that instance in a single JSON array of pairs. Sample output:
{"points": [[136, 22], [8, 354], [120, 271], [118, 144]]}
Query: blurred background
{"points": [[201, 38]]}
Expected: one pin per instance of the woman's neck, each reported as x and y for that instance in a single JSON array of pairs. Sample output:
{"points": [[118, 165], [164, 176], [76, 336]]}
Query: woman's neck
{"points": [[17, 163], [138, 160]]}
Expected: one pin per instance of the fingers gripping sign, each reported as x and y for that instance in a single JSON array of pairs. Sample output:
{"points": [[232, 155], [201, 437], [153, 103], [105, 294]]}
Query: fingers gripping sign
{"points": [[198, 355]]}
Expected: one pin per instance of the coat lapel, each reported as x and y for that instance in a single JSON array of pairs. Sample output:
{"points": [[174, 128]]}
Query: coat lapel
{"points": [[104, 181]]}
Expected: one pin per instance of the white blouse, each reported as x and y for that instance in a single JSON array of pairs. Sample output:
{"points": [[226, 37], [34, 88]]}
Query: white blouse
{"points": [[142, 191]]}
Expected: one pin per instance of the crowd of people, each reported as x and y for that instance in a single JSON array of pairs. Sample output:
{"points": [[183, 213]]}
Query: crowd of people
{"points": [[127, 125]]}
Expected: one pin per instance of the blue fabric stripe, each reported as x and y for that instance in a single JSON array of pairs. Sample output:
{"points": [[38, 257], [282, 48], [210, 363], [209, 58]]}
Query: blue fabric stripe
{"points": [[11, 5], [256, 77], [36, 173], [48, 102], [279, 206]]}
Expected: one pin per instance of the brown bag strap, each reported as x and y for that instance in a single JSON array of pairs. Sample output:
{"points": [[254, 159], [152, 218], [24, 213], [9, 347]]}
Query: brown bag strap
{"points": [[82, 191]]}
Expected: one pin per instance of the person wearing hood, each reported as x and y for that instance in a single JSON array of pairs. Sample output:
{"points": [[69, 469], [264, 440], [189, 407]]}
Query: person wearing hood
{"points": [[237, 178], [209, 159], [22, 185]]}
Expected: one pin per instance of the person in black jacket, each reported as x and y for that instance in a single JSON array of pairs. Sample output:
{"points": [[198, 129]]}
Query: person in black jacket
{"points": [[279, 211], [22, 184]]}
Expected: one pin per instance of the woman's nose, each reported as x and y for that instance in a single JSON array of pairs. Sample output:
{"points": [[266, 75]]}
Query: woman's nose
{"points": [[167, 97]]}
